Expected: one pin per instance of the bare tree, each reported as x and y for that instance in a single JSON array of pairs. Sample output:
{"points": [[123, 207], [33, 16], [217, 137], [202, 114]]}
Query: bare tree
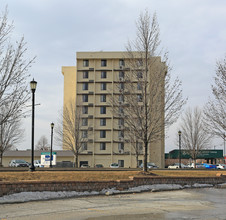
{"points": [[10, 134], [70, 132], [193, 135], [215, 109], [147, 93], [13, 73], [42, 144]]}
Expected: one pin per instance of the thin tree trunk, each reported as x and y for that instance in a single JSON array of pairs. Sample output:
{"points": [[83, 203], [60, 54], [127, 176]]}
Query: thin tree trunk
{"points": [[1, 155]]}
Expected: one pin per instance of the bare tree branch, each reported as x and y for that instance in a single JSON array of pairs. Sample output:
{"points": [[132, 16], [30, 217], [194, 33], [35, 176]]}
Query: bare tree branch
{"points": [[13, 73], [10, 134], [148, 93], [42, 144], [193, 135], [215, 109], [69, 130]]}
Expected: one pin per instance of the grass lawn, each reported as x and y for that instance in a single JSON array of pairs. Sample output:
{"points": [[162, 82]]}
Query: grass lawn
{"points": [[99, 175]]}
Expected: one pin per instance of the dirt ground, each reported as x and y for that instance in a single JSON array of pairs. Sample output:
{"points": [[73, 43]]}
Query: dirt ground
{"points": [[99, 175]]}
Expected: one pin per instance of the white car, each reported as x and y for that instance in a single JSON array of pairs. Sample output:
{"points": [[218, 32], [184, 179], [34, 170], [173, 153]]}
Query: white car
{"points": [[114, 165], [84, 166], [221, 166], [177, 166], [149, 166], [197, 165], [37, 163]]}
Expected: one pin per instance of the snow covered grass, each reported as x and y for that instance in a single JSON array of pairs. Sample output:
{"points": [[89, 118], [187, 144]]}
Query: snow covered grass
{"points": [[46, 195]]}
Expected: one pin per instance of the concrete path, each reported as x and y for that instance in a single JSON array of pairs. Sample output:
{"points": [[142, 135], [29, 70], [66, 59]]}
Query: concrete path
{"points": [[207, 203]]}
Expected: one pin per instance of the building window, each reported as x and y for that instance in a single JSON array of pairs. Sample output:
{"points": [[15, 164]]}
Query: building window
{"points": [[139, 86], [139, 146], [85, 63], [121, 98], [121, 74], [84, 146], [103, 122], [121, 63], [85, 74], [103, 62], [85, 98], [121, 121], [139, 62], [120, 134], [103, 110], [84, 121], [140, 162], [85, 134], [121, 86], [120, 146], [139, 75], [121, 163], [103, 146], [85, 86], [103, 86], [103, 134], [139, 98], [102, 98], [120, 110], [84, 109], [103, 74]]}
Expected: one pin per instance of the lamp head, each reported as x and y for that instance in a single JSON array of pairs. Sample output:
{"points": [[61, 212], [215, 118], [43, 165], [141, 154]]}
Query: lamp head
{"points": [[52, 125], [33, 85], [179, 132]]}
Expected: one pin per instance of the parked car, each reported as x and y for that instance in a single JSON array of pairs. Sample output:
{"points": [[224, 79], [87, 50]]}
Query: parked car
{"points": [[85, 166], [177, 166], [114, 165], [197, 165], [37, 163], [18, 163], [99, 166], [210, 166], [221, 166], [149, 166]]}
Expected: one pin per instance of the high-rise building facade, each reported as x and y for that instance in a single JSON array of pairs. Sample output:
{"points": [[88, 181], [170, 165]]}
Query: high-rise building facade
{"points": [[92, 83]]}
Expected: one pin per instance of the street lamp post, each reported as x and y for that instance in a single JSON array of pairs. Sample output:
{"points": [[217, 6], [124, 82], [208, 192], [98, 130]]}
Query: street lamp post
{"points": [[33, 85], [179, 133], [51, 148]]}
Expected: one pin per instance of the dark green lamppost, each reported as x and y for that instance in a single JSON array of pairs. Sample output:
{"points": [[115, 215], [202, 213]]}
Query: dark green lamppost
{"points": [[179, 133], [33, 85]]}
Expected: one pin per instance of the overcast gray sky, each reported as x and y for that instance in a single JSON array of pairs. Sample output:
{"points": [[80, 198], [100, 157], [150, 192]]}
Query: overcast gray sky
{"points": [[193, 31]]}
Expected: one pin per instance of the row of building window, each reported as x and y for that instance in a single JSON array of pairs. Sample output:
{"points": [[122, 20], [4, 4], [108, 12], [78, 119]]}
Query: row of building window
{"points": [[103, 110], [85, 98], [103, 146], [103, 86], [102, 134], [102, 121], [103, 75], [103, 63]]}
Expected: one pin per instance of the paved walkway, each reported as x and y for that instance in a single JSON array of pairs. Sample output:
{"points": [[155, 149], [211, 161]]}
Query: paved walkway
{"points": [[207, 203]]}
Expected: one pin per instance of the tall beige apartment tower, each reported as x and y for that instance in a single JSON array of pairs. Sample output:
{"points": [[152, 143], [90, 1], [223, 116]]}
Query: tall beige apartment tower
{"points": [[92, 83]]}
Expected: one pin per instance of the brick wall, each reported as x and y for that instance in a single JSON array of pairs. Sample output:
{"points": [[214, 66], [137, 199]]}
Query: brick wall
{"points": [[79, 186]]}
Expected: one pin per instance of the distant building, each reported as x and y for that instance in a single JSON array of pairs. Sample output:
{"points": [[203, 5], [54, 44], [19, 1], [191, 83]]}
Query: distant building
{"points": [[207, 156], [93, 81]]}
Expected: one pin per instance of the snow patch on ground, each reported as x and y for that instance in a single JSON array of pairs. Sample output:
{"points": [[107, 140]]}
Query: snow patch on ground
{"points": [[46, 195]]}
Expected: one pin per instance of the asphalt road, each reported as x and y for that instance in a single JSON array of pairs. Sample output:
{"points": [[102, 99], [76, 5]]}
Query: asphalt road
{"points": [[208, 204]]}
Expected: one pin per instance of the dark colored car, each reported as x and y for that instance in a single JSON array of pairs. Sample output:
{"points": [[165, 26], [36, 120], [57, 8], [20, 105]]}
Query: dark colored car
{"points": [[99, 166], [18, 163]]}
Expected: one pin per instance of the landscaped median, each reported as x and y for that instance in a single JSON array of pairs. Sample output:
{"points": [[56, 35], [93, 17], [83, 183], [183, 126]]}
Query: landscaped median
{"points": [[108, 181]]}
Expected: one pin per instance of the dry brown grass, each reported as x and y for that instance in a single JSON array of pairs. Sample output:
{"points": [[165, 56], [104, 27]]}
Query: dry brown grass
{"points": [[99, 175]]}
